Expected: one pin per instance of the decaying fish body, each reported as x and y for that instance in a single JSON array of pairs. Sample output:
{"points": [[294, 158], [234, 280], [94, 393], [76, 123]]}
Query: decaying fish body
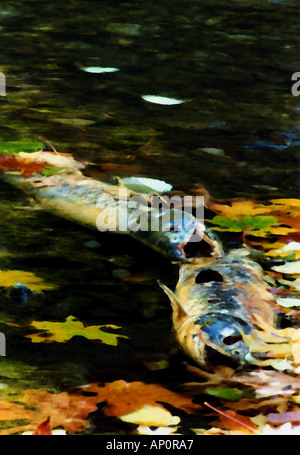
{"points": [[218, 306], [222, 310], [100, 205]]}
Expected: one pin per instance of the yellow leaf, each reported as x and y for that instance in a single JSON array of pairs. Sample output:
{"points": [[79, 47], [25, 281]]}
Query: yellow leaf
{"points": [[151, 416], [64, 331], [144, 429], [34, 283], [243, 207], [291, 202], [274, 231], [239, 208]]}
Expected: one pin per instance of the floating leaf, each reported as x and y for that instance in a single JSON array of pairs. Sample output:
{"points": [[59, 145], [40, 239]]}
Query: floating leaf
{"points": [[240, 207], [35, 406], [236, 225], [288, 302], [11, 163], [52, 170], [162, 100], [145, 185], [64, 331], [151, 415], [230, 394], [289, 268], [125, 398]]}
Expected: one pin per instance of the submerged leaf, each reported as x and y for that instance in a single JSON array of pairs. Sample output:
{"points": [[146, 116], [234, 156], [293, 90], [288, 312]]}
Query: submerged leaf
{"points": [[36, 284], [64, 331]]}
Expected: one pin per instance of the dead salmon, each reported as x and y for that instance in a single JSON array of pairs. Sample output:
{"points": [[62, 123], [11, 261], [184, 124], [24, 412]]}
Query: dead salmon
{"points": [[222, 308], [105, 206], [223, 312]]}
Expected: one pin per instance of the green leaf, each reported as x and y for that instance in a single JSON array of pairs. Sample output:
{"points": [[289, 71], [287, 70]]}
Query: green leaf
{"points": [[230, 394], [53, 170], [227, 224], [260, 221], [248, 221], [10, 148]]}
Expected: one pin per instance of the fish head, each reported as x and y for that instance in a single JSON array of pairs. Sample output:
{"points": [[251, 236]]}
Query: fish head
{"points": [[211, 339], [219, 339]]}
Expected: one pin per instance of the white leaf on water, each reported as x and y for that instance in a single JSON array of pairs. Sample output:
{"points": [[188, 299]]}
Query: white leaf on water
{"points": [[213, 151], [162, 100], [289, 267], [294, 283], [288, 302], [100, 69], [145, 185], [292, 246]]}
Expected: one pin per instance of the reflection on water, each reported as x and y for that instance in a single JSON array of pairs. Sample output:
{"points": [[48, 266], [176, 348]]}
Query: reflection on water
{"points": [[231, 63], [235, 132]]}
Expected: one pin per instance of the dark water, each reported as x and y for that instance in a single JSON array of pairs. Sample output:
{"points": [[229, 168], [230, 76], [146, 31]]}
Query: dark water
{"points": [[231, 62]]}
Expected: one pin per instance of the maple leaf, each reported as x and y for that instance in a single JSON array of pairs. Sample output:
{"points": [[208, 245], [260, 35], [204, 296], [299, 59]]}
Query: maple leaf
{"points": [[125, 398], [240, 207], [64, 331], [67, 410], [280, 218]]}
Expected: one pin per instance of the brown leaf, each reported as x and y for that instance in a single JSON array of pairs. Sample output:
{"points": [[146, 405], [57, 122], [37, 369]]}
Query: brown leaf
{"points": [[68, 411], [124, 398], [11, 163]]}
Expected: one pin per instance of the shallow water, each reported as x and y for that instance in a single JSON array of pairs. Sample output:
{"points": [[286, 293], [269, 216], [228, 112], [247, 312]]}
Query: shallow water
{"points": [[231, 64]]}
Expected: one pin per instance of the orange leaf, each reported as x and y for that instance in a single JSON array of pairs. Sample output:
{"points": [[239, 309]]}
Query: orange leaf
{"points": [[67, 410], [11, 163], [123, 398]]}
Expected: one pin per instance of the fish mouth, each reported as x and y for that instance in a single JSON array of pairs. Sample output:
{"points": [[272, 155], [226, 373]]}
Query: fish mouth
{"points": [[195, 243], [223, 336]]}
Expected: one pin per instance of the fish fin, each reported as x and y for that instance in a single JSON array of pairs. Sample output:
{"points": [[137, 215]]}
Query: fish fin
{"points": [[176, 305]]}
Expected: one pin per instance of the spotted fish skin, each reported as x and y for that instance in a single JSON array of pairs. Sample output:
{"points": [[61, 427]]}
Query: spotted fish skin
{"points": [[216, 303]]}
